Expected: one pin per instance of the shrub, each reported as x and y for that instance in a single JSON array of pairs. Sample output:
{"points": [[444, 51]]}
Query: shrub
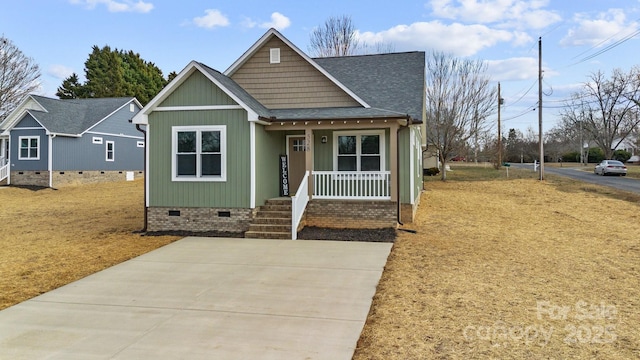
{"points": [[621, 155], [573, 156], [596, 155], [431, 171]]}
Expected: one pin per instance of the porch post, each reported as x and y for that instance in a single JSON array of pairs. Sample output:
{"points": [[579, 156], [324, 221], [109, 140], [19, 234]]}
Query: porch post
{"points": [[308, 160], [393, 161]]}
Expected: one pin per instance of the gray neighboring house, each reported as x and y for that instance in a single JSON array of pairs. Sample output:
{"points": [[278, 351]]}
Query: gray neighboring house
{"points": [[52, 142]]}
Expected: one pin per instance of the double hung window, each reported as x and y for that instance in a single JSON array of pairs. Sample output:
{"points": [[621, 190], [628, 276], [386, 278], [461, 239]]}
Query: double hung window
{"points": [[359, 151], [29, 148], [199, 153]]}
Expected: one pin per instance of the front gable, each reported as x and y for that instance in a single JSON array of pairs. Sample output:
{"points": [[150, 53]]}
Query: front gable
{"points": [[27, 121], [197, 90], [29, 103], [291, 83]]}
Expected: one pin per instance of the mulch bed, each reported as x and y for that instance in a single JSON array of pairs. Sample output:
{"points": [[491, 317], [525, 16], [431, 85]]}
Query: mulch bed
{"points": [[308, 233], [369, 235]]}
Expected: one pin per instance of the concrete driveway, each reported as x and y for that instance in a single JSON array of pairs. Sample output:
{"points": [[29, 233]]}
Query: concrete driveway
{"points": [[207, 298]]}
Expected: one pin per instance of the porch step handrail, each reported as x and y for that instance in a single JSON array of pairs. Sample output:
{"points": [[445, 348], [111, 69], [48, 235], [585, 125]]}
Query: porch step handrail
{"points": [[4, 170], [298, 204], [354, 185]]}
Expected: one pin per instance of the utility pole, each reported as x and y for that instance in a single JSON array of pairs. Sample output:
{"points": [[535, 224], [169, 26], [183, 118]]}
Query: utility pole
{"points": [[500, 102], [540, 108]]}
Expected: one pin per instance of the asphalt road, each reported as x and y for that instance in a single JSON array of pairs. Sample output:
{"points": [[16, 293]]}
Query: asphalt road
{"points": [[586, 174]]}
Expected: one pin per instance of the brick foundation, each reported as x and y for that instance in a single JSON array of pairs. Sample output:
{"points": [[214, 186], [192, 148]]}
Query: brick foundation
{"points": [[32, 178], [198, 219], [351, 214], [321, 213], [62, 178]]}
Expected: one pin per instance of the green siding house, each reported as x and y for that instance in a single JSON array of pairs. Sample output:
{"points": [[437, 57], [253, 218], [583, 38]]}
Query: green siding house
{"points": [[280, 141]]}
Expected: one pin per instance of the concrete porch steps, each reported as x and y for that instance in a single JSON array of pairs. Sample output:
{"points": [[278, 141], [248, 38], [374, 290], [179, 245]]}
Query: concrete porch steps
{"points": [[272, 221]]}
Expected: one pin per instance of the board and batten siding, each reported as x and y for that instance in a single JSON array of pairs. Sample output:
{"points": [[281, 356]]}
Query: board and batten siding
{"points": [[292, 83], [233, 193], [82, 154], [197, 90], [29, 127], [269, 145], [118, 123]]}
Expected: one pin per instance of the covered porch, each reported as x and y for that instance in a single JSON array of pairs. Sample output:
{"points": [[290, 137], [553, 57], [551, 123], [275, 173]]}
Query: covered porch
{"points": [[343, 172], [343, 159]]}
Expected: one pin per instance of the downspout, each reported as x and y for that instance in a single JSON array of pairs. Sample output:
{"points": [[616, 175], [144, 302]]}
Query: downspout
{"points": [[398, 214], [144, 134], [50, 159]]}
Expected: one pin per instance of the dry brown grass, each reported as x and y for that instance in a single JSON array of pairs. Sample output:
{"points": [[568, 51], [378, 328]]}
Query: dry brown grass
{"points": [[50, 238], [489, 261]]}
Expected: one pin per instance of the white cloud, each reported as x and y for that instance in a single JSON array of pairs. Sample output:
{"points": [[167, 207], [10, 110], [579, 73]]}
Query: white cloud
{"points": [[60, 71], [248, 23], [212, 18], [456, 39], [117, 6], [517, 68], [520, 68], [605, 28], [278, 22], [521, 14]]}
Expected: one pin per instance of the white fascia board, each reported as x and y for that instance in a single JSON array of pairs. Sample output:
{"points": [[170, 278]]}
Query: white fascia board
{"points": [[108, 116], [16, 115], [273, 32], [142, 116], [252, 115]]}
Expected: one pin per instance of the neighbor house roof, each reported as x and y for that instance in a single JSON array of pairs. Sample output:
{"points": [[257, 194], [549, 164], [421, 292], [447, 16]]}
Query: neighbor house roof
{"points": [[71, 116]]}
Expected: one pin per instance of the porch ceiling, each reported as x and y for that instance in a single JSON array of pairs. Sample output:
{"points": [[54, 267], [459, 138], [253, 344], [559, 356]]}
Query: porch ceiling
{"points": [[315, 124]]}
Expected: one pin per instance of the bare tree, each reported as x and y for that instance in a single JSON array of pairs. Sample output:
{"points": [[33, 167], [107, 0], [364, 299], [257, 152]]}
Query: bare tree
{"points": [[19, 76], [607, 109], [336, 37], [459, 98]]}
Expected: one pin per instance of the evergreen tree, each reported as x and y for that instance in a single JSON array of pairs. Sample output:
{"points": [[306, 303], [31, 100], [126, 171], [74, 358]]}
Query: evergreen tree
{"points": [[70, 88], [115, 73]]}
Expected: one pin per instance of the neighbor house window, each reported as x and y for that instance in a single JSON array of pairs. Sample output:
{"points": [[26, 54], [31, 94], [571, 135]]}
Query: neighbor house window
{"points": [[199, 153], [274, 55], [110, 150], [29, 148], [359, 151]]}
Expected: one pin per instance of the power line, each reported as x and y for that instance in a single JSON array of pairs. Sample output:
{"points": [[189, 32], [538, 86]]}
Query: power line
{"points": [[607, 48]]}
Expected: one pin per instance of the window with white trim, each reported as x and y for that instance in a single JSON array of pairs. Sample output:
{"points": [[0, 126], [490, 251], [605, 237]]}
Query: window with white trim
{"points": [[274, 55], [358, 151], [29, 148], [199, 153], [97, 140], [110, 151]]}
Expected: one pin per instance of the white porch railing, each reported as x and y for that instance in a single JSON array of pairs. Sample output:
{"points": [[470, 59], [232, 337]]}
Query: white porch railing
{"points": [[4, 169], [352, 185], [298, 204]]}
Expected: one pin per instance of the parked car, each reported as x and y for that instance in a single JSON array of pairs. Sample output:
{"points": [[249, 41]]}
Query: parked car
{"points": [[610, 167]]}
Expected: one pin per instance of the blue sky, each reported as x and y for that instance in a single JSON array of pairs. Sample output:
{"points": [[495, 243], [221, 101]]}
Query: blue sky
{"points": [[59, 34]]}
